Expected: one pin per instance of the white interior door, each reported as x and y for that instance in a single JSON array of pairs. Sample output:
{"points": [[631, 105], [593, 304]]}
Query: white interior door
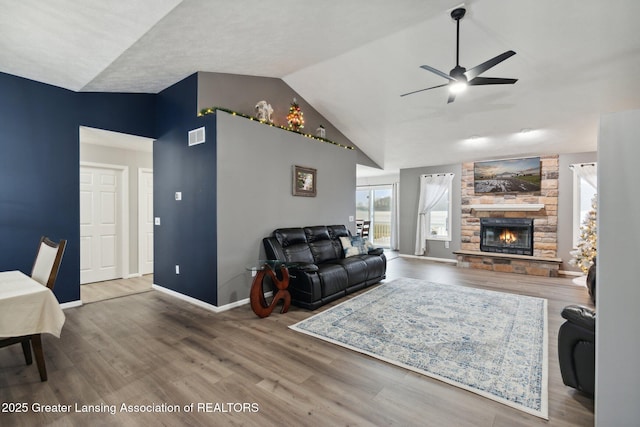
{"points": [[145, 220], [100, 231]]}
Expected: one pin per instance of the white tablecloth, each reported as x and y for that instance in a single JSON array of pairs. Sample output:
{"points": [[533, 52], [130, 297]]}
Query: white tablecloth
{"points": [[27, 307]]}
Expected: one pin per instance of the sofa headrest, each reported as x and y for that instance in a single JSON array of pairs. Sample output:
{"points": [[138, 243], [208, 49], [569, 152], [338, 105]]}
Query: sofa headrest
{"points": [[319, 232], [337, 231], [290, 236]]}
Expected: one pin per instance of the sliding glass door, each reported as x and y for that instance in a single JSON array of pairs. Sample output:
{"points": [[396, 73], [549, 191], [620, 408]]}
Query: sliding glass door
{"points": [[373, 204]]}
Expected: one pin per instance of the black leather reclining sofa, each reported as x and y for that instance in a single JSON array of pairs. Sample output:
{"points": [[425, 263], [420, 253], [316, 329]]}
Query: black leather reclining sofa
{"points": [[322, 273]]}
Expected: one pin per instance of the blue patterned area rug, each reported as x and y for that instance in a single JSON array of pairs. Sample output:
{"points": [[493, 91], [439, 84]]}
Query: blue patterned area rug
{"points": [[491, 343]]}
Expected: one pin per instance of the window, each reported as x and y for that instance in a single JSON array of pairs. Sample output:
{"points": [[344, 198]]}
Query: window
{"points": [[585, 187], [434, 210], [440, 219]]}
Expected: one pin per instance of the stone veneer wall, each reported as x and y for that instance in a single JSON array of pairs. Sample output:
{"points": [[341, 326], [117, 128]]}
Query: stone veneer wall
{"points": [[545, 224]]}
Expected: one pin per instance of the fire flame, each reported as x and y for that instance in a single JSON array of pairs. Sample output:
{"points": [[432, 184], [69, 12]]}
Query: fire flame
{"points": [[507, 237]]}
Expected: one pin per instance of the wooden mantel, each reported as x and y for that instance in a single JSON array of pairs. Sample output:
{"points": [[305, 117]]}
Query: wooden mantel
{"points": [[508, 207]]}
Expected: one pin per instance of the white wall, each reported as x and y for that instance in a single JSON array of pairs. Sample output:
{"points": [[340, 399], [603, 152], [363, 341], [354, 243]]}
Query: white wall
{"points": [[618, 280], [254, 193]]}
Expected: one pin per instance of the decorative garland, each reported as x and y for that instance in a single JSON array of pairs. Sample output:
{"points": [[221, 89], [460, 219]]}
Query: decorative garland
{"points": [[213, 110]]}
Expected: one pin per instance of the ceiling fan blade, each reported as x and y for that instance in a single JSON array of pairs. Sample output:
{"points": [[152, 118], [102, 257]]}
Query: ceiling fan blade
{"points": [[422, 90], [452, 97], [438, 72], [491, 81], [479, 69]]}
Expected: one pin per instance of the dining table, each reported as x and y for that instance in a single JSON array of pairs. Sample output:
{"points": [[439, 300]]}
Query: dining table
{"points": [[27, 310], [27, 307]]}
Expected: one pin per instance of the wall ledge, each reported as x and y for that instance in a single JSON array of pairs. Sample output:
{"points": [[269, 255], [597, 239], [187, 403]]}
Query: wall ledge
{"points": [[511, 256]]}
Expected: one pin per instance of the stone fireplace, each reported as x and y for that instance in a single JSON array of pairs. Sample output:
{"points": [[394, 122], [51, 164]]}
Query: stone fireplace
{"points": [[506, 235], [538, 210]]}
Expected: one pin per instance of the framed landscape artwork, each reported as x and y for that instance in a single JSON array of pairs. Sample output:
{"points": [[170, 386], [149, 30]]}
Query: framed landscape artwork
{"points": [[304, 181], [507, 176]]}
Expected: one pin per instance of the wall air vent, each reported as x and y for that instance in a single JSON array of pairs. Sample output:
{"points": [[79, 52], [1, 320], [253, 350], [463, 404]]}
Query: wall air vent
{"points": [[196, 136]]}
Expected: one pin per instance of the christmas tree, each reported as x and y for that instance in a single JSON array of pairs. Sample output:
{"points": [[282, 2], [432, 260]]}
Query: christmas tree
{"points": [[295, 118], [586, 251]]}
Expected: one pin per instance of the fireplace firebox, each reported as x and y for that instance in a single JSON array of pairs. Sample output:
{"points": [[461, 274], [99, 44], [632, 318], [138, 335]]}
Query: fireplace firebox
{"points": [[507, 235]]}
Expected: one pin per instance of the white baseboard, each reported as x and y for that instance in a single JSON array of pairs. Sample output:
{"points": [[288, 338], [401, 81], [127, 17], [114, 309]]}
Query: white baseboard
{"points": [[199, 303], [134, 275], [71, 304], [428, 258]]}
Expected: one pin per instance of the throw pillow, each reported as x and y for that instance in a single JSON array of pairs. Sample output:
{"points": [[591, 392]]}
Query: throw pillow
{"points": [[353, 246]]}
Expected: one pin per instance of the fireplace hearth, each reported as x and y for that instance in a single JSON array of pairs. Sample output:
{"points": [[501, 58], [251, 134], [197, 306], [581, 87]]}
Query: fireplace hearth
{"points": [[507, 235]]}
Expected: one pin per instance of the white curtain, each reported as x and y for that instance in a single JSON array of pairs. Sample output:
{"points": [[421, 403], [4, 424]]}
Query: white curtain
{"points": [[588, 172], [395, 209], [432, 188]]}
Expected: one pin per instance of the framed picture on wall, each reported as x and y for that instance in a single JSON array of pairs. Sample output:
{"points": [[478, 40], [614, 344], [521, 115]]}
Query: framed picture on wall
{"points": [[507, 176], [304, 181]]}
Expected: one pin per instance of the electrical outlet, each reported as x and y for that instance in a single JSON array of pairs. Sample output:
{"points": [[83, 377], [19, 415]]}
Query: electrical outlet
{"points": [[156, 221], [177, 269], [178, 195]]}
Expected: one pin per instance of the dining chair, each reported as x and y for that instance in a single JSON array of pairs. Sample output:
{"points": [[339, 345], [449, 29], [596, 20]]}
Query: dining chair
{"points": [[45, 271], [365, 229], [47, 263]]}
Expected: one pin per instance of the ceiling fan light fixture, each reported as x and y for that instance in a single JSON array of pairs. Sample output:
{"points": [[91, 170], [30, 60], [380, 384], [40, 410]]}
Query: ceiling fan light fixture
{"points": [[458, 87], [459, 78]]}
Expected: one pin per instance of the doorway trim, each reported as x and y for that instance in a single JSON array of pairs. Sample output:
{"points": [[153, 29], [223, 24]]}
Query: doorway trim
{"points": [[141, 236], [124, 211]]}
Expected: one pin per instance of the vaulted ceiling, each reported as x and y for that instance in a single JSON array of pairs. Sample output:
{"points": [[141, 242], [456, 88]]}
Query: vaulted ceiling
{"points": [[351, 60]]}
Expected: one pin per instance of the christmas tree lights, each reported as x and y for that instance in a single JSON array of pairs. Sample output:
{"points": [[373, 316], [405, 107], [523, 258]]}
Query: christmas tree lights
{"points": [[295, 118]]}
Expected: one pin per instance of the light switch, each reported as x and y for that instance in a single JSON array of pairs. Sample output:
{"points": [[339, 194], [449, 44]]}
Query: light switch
{"points": [[178, 195], [351, 218], [177, 269], [156, 221]]}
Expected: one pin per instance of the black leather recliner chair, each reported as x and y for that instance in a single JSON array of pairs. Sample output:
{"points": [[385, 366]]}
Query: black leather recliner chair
{"points": [[577, 348]]}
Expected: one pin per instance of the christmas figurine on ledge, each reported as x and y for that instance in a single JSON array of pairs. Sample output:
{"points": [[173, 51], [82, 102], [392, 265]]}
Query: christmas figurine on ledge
{"points": [[295, 118]]}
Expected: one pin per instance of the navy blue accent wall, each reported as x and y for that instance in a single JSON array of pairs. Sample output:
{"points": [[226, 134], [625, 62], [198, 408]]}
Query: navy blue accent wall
{"points": [[132, 113], [39, 166], [187, 234], [39, 184]]}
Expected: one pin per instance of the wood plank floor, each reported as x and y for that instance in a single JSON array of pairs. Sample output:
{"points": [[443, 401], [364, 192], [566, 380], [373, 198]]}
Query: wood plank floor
{"points": [[100, 291], [151, 348]]}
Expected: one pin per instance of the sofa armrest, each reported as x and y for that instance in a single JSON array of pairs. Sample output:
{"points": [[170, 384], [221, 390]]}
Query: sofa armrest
{"points": [[273, 249], [376, 251], [580, 316], [305, 268]]}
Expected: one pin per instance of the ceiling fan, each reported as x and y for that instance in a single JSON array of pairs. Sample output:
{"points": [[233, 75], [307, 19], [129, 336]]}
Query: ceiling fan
{"points": [[459, 77]]}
